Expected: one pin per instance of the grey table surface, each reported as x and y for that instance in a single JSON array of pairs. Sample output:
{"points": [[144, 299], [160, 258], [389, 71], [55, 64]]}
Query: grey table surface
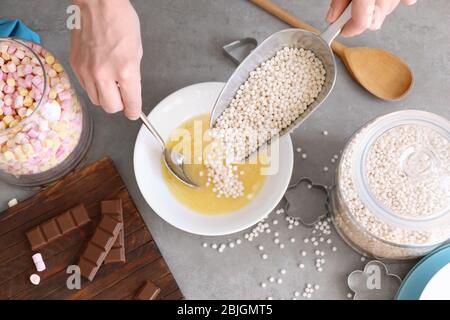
{"points": [[182, 44]]}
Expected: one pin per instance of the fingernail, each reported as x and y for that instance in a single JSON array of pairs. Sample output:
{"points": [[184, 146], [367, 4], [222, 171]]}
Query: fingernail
{"points": [[132, 117], [330, 15]]}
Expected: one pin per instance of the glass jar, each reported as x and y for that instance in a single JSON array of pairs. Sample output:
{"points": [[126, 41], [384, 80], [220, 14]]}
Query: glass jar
{"points": [[391, 199], [45, 130]]}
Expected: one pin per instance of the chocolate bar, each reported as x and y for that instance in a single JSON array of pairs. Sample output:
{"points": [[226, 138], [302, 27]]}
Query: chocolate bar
{"points": [[149, 291], [57, 227], [99, 246], [114, 209]]}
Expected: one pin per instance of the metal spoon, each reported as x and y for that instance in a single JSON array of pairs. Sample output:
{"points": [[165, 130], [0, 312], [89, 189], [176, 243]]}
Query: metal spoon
{"points": [[173, 160]]}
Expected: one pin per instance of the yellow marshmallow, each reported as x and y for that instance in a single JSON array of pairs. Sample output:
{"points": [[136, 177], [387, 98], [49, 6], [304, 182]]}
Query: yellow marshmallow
{"points": [[14, 123], [8, 119], [9, 156], [50, 59], [52, 94], [58, 67], [11, 82], [23, 92], [28, 101], [6, 56]]}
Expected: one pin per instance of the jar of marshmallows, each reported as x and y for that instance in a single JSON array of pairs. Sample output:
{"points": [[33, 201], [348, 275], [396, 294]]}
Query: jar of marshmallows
{"points": [[391, 199], [45, 130]]}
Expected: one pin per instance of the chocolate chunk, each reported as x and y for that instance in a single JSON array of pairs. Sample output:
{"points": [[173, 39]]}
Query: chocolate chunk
{"points": [[80, 215], [99, 246], [55, 228], [66, 223], [114, 209], [116, 255], [149, 291], [36, 238], [94, 254], [51, 230], [102, 238], [87, 269]]}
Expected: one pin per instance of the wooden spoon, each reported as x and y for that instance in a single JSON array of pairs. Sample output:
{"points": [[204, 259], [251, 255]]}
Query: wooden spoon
{"points": [[380, 72]]}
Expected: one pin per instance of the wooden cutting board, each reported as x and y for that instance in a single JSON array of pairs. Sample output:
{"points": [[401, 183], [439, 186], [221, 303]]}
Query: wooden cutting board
{"points": [[91, 185]]}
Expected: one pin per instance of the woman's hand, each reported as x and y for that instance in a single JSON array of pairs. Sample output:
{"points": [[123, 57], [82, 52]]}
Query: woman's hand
{"points": [[366, 14], [106, 55]]}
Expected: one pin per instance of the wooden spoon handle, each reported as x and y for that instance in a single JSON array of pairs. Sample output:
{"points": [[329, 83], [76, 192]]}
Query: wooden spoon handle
{"points": [[290, 19]]}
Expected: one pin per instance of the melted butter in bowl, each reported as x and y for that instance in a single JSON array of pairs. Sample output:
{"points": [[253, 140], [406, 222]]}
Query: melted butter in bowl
{"points": [[193, 140]]}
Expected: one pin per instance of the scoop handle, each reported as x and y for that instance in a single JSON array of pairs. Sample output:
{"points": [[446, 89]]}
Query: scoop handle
{"points": [[335, 28], [290, 19]]}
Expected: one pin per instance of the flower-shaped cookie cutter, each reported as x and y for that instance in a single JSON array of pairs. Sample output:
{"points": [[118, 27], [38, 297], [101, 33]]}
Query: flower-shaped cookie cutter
{"points": [[296, 201], [374, 282]]}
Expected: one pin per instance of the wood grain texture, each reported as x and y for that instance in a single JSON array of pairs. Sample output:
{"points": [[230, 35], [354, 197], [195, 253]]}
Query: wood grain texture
{"points": [[91, 185]]}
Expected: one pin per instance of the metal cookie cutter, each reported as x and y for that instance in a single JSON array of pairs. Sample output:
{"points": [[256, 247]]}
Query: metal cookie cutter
{"points": [[374, 282], [238, 50], [306, 193]]}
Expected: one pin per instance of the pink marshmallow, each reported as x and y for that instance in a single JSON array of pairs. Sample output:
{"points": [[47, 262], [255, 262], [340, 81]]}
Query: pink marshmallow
{"points": [[33, 134], [65, 95]]}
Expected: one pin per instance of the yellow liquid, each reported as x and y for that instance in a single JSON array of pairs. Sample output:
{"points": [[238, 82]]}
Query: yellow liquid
{"points": [[203, 199]]}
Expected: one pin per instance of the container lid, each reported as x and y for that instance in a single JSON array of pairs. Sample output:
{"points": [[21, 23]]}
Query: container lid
{"points": [[402, 168]]}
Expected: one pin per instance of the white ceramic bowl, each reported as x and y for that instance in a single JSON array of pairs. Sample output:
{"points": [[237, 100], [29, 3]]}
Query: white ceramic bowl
{"points": [[167, 116]]}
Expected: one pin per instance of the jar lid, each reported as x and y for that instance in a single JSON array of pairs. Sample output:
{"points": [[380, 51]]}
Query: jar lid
{"points": [[402, 168]]}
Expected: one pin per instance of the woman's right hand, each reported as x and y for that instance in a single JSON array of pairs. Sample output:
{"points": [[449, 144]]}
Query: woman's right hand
{"points": [[366, 14]]}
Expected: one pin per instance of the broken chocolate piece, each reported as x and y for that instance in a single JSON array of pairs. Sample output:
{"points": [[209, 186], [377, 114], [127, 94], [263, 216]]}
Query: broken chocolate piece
{"points": [[99, 246], [149, 291], [114, 208]]}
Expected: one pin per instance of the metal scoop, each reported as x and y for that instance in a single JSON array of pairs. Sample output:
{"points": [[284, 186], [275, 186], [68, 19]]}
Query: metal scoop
{"points": [[173, 160], [293, 38]]}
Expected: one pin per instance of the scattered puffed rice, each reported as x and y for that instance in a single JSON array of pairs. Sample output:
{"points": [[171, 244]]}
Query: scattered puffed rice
{"points": [[35, 279], [13, 202]]}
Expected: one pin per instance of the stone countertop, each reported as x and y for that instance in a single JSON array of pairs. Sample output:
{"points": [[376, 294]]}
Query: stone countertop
{"points": [[182, 46]]}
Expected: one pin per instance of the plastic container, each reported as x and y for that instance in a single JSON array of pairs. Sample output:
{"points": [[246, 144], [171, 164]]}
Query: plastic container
{"points": [[391, 199], [45, 130]]}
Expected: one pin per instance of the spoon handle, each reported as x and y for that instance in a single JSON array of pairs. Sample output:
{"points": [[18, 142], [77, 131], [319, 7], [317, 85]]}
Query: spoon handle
{"points": [[292, 20], [335, 28], [152, 130]]}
